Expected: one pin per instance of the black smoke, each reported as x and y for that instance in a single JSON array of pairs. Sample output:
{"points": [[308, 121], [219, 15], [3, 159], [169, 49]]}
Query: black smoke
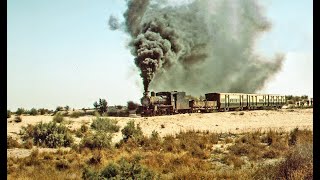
{"points": [[199, 46]]}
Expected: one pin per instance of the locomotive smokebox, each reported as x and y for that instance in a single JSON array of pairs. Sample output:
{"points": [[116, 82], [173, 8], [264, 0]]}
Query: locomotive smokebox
{"points": [[145, 100]]}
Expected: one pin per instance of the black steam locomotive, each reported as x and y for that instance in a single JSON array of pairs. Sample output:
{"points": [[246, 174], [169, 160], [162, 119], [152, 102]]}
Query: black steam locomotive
{"points": [[175, 102]]}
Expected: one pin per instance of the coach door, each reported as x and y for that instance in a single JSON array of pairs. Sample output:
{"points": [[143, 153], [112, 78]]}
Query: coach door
{"points": [[227, 100]]}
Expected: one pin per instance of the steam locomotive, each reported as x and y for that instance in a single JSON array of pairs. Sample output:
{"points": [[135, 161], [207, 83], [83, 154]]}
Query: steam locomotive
{"points": [[175, 102]]}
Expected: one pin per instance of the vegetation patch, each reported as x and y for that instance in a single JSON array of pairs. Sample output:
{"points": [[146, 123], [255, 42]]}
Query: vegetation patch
{"points": [[77, 114], [58, 118], [185, 155], [123, 169], [50, 134], [105, 124], [12, 143], [98, 139]]}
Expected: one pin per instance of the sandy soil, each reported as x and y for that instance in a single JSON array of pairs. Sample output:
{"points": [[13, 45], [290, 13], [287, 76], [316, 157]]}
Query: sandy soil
{"points": [[283, 119]]}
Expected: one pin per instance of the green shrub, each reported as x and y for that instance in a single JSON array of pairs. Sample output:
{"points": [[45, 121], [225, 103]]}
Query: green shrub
{"points": [[33, 112], [133, 169], [110, 171], [42, 111], [123, 169], [77, 114], [9, 114], [105, 124], [130, 131], [59, 108], [92, 113], [112, 113], [155, 135], [82, 130], [89, 174], [48, 134], [58, 118], [20, 111], [97, 140], [18, 119]]}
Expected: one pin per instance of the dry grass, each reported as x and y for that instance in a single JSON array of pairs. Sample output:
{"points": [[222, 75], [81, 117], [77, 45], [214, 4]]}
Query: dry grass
{"points": [[186, 155], [12, 143]]}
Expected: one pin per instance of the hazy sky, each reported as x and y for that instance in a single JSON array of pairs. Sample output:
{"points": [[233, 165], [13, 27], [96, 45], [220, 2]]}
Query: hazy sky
{"points": [[62, 52]]}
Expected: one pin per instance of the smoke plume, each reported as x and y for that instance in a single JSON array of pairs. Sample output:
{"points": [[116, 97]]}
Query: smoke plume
{"points": [[113, 23], [199, 46]]}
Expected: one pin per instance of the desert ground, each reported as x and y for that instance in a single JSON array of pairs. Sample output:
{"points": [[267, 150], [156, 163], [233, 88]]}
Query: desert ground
{"points": [[233, 122]]}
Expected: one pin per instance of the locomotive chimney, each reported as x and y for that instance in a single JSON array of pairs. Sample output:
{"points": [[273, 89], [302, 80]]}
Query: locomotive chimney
{"points": [[146, 93]]}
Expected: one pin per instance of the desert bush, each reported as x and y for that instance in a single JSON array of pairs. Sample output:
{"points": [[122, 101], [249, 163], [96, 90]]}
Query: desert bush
{"points": [[131, 131], [277, 141], [271, 154], [62, 164], [77, 114], [233, 160], [9, 114], [105, 124], [18, 119], [28, 144], [110, 171], [97, 140], [96, 157], [33, 159], [300, 136], [42, 111], [101, 107], [58, 118], [155, 135], [59, 108], [91, 112], [12, 143], [195, 143], [48, 134], [248, 145], [132, 106], [82, 130], [123, 169], [89, 174], [228, 140], [118, 112], [298, 164], [33, 112], [123, 113], [170, 144], [20, 111]]}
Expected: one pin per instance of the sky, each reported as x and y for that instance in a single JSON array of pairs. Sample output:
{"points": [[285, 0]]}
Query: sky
{"points": [[62, 52]]}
